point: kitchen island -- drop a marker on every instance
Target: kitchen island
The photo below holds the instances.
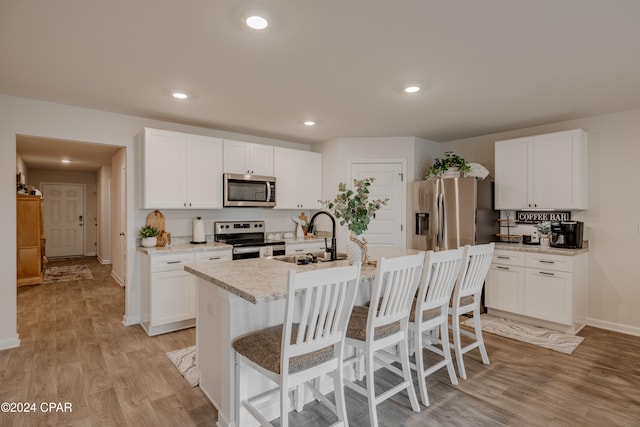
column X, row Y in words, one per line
column 238, row 297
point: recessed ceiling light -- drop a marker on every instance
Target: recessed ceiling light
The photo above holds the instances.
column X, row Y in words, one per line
column 65, row 161
column 257, row 22
column 412, row 89
column 179, row 95
column 309, row 123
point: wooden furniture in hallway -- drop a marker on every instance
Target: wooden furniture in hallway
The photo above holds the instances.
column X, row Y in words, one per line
column 30, row 240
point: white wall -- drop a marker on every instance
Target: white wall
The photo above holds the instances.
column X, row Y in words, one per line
column 45, row 119
column 612, row 220
column 104, row 214
column 337, row 155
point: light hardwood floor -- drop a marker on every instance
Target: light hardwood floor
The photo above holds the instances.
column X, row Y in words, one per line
column 74, row 348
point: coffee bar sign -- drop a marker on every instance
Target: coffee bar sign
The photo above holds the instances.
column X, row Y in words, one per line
column 529, row 217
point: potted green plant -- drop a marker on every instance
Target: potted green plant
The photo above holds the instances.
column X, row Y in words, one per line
column 451, row 164
column 353, row 208
column 149, row 236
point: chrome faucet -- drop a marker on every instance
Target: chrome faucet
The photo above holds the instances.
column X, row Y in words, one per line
column 334, row 251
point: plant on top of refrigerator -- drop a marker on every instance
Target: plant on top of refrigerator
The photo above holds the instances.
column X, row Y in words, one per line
column 450, row 160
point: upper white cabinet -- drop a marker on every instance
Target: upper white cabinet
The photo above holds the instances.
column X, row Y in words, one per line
column 244, row 157
column 542, row 172
column 180, row 171
column 298, row 178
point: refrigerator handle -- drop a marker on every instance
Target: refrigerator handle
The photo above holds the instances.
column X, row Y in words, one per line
column 440, row 216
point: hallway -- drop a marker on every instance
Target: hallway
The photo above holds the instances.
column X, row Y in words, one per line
column 74, row 348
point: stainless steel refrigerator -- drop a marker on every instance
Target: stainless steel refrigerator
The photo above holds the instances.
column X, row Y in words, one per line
column 453, row 212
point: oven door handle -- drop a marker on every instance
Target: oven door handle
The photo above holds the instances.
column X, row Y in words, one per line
column 250, row 250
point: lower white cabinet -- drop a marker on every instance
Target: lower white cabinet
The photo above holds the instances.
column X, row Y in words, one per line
column 506, row 289
column 168, row 293
column 547, row 289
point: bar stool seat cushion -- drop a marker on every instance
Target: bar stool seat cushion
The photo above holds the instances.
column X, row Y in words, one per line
column 357, row 328
column 429, row 314
column 264, row 348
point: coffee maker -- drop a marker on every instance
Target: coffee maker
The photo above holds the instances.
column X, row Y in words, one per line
column 567, row 234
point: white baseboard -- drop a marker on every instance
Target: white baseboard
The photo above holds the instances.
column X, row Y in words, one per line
column 10, row 343
column 615, row 327
column 117, row 279
column 103, row 261
column 130, row 320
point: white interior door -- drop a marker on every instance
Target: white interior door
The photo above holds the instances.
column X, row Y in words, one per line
column 64, row 219
column 387, row 228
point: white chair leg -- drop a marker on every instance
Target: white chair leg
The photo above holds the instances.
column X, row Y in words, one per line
column 422, row 381
column 371, row 389
column 338, row 392
column 284, row 405
column 478, row 330
column 360, row 365
column 446, row 351
column 237, row 389
column 298, row 397
column 457, row 345
column 406, row 369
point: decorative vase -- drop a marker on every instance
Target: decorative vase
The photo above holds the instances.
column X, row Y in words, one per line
column 452, row 172
column 149, row 242
column 356, row 249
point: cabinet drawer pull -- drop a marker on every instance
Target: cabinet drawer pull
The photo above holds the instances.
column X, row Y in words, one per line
column 543, row 261
column 546, row 273
column 174, row 262
column 502, row 268
column 215, row 257
column 502, row 257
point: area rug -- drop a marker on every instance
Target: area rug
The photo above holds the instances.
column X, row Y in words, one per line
column 67, row 273
column 185, row 361
column 547, row 338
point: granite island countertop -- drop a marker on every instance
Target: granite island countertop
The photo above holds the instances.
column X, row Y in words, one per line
column 261, row 280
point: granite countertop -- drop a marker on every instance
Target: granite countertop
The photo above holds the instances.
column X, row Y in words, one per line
column 185, row 248
column 520, row 247
column 261, row 280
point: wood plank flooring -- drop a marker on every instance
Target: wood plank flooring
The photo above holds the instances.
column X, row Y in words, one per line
column 74, row 348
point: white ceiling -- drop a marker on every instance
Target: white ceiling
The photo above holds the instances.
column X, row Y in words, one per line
column 485, row 66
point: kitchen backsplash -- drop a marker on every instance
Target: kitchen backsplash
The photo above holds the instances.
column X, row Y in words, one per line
column 180, row 223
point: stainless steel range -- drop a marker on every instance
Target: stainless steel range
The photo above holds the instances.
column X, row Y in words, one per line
column 247, row 238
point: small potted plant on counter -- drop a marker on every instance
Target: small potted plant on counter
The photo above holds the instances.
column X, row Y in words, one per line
column 450, row 166
column 149, row 236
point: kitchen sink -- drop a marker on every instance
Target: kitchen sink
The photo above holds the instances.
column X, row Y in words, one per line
column 307, row 258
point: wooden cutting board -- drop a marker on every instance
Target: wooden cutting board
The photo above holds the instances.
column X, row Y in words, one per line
column 156, row 219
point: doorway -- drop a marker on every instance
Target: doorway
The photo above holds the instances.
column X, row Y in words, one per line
column 64, row 219
column 387, row 228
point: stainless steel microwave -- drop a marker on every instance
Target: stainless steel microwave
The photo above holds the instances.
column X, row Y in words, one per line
column 249, row 190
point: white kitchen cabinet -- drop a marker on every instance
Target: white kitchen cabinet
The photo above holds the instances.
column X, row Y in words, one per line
column 505, row 282
column 179, row 171
column 212, row 257
column 540, row 288
column 243, row 157
column 167, row 299
column 312, row 246
column 542, row 172
column 298, row 179
column 167, row 291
